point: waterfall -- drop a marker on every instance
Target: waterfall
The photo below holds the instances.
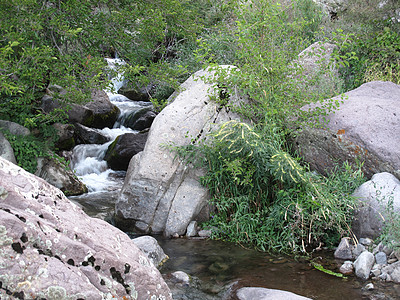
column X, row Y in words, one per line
column 88, row 159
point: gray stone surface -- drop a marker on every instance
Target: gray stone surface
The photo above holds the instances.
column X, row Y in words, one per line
column 381, row 258
column 318, row 71
column 6, row 151
column 86, row 135
column 362, row 129
column 14, row 128
column 257, row 293
column 149, row 245
column 51, row 170
column 373, row 198
column 392, row 272
column 51, row 249
column 364, row 264
column 99, row 112
column 161, row 193
column 124, row 147
column 347, row 268
column 358, row 250
column 65, row 133
column 181, row 276
column 191, row 229
column 344, row 250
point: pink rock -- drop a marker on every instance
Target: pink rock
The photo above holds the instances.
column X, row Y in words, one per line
column 49, row 248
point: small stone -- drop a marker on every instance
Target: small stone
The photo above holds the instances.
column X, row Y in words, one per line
column 204, row 233
column 175, row 235
column 191, row 229
column 347, row 268
column 360, row 248
column 369, row 286
column 376, row 272
column 387, row 250
column 181, row 277
column 366, row 241
column 378, row 248
column 363, row 265
column 392, row 260
column 343, row 251
column 381, row 258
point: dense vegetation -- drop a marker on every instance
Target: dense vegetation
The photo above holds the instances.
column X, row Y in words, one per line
column 264, row 196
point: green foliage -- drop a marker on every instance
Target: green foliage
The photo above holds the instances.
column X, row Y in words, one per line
column 264, row 198
column 326, row 271
column 27, row 150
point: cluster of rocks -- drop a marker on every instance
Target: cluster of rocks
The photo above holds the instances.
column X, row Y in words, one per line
column 368, row 260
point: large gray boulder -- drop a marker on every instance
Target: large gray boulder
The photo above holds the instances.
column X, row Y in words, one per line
column 6, row 151
column 161, row 193
column 50, row 249
column 372, row 210
column 58, row 175
column 365, row 128
column 257, row 293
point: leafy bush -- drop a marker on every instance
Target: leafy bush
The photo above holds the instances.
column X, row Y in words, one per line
column 264, row 198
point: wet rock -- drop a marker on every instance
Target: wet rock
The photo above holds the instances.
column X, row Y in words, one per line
column 140, row 119
column 169, row 191
column 124, row 147
column 253, row 293
column 363, row 265
column 181, row 277
column 6, row 151
column 381, row 258
column 58, row 175
column 136, row 93
column 344, row 250
column 14, row 128
column 191, row 229
column 361, row 129
column 86, row 135
column 152, row 249
column 369, row 286
column 52, row 250
column 65, row 134
column 99, row 112
column 347, row 268
column 373, row 197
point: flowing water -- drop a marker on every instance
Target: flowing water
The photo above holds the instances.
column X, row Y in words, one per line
column 218, row 268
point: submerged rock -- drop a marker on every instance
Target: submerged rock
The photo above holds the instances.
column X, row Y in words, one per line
column 257, row 293
column 50, row 249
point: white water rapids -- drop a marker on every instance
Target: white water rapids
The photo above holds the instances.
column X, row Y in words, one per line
column 88, row 159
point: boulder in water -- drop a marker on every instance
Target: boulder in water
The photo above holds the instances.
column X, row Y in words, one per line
column 124, row 147
column 50, row 249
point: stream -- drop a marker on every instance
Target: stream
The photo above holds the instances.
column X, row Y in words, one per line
column 218, row 268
